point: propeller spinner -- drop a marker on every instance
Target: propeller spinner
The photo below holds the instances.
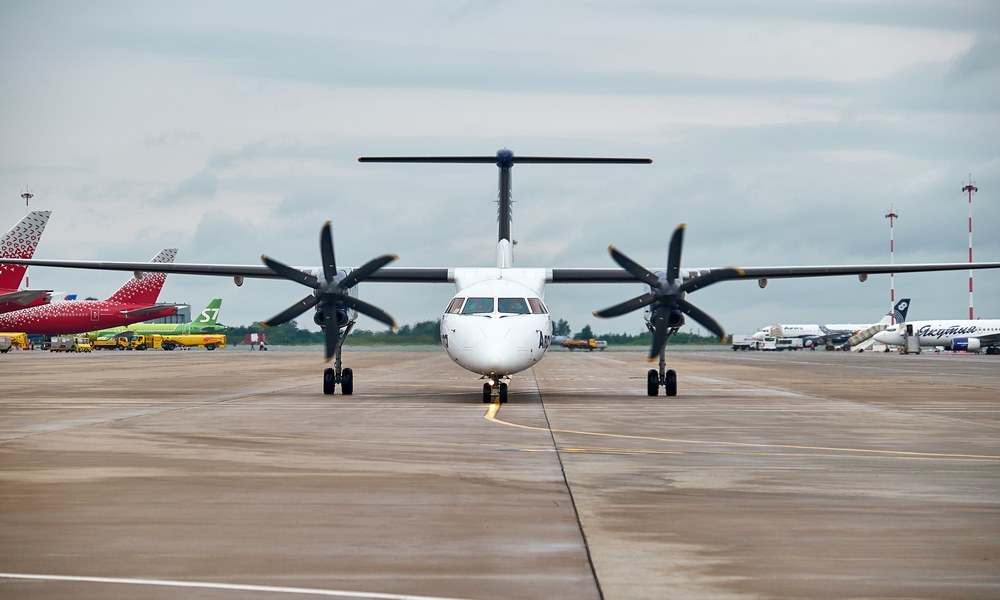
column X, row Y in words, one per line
column 330, row 291
column 667, row 293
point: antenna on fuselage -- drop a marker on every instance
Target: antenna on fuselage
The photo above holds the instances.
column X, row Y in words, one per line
column 504, row 160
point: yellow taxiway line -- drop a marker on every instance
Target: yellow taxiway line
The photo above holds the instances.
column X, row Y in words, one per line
column 491, row 415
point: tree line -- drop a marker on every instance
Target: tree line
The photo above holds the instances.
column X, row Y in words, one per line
column 428, row 332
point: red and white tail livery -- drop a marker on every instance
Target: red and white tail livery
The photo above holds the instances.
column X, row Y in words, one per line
column 20, row 242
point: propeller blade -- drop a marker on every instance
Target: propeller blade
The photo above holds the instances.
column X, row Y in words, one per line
column 364, row 271
column 332, row 331
column 627, row 306
column 366, row 309
column 709, row 278
column 698, row 315
column 638, row 271
column 326, row 252
column 674, row 254
column 292, row 311
column 291, row 273
column 660, row 327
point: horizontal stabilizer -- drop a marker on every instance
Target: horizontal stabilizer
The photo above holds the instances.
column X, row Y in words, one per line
column 23, row 297
column 149, row 310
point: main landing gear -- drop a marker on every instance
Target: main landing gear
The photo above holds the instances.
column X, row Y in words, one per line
column 665, row 377
column 335, row 375
column 499, row 390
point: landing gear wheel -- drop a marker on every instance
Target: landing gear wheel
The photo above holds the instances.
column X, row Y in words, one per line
column 487, row 392
column 347, row 382
column 652, row 382
column 671, row 382
column 503, row 393
column 329, row 382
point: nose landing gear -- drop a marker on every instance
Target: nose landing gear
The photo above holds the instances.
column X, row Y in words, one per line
column 498, row 390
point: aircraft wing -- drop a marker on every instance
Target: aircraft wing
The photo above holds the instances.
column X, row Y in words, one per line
column 558, row 275
column 23, row 297
column 388, row 274
column 612, row 275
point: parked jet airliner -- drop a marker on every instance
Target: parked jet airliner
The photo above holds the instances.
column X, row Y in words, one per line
column 973, row 336
column 20, row 242
column 206, row 322
column 497, row 324
column 135, row 301
column 830, row 333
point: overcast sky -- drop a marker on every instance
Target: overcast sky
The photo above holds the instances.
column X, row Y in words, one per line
column 782, row 132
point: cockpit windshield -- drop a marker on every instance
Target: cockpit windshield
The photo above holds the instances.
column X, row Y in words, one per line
column 512, row 306
column 475, row 306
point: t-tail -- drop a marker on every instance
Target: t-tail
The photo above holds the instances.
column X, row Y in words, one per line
column 505, row 160
column 145, row 288
column 20, row 242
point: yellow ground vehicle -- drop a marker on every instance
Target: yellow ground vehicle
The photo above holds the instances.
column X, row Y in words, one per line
column 70, row 343
column 589, row 345
column 146, row 341
column 110, row 342
column 209, row 341
column 17, row 338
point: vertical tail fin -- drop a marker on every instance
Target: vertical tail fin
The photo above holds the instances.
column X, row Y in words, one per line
column 145, row 289
column 20, row 242
column 899, row 311
column 209, row 316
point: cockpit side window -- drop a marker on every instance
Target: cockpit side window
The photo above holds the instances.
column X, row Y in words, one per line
column 537, row 308
column 475, row 306
column 456, row 306
column 512, row 306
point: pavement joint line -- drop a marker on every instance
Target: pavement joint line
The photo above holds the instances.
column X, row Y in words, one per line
column 222, row 586
column 569, row 490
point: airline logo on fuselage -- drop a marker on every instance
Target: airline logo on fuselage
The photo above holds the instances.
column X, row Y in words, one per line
column 929, row 331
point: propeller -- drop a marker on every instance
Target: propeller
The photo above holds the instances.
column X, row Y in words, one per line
column 329, row 292
column 668, row 293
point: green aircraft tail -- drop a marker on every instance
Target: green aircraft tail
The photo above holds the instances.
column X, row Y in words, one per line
column 209, row 316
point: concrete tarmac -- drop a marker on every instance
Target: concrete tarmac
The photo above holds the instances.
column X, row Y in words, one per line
column 228, row 474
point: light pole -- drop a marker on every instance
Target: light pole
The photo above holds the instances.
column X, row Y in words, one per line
column 892, row 216
column 970, row 188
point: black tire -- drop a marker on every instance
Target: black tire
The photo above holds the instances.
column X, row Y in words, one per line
column 671, row 382
column 653, row 382
column 487, row 392
column 347, row 382
column 209, row 346
column 329, row 382
column 503, row 393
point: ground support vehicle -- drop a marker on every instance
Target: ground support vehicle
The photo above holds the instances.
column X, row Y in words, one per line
column 589, row 345
column 208, row 341
column 69, row 343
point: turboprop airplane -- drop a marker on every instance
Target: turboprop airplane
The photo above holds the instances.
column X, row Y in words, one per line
column 20, row 242
column 497, row 324
column 135, row 301
column 206, row 322
column 830, row 333
column 971, row 336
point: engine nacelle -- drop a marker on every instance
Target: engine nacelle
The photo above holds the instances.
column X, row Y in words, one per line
column 967, row 344
column 343, row 317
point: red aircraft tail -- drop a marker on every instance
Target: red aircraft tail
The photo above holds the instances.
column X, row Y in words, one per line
column 145, row 289
column 20, row 242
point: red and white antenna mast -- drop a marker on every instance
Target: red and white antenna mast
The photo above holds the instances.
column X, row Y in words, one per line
column 27, row 195
column 970, row 188
column 892, row 216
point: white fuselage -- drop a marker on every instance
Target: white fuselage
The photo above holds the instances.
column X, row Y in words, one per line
column 956, row 335
column 497, row 324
